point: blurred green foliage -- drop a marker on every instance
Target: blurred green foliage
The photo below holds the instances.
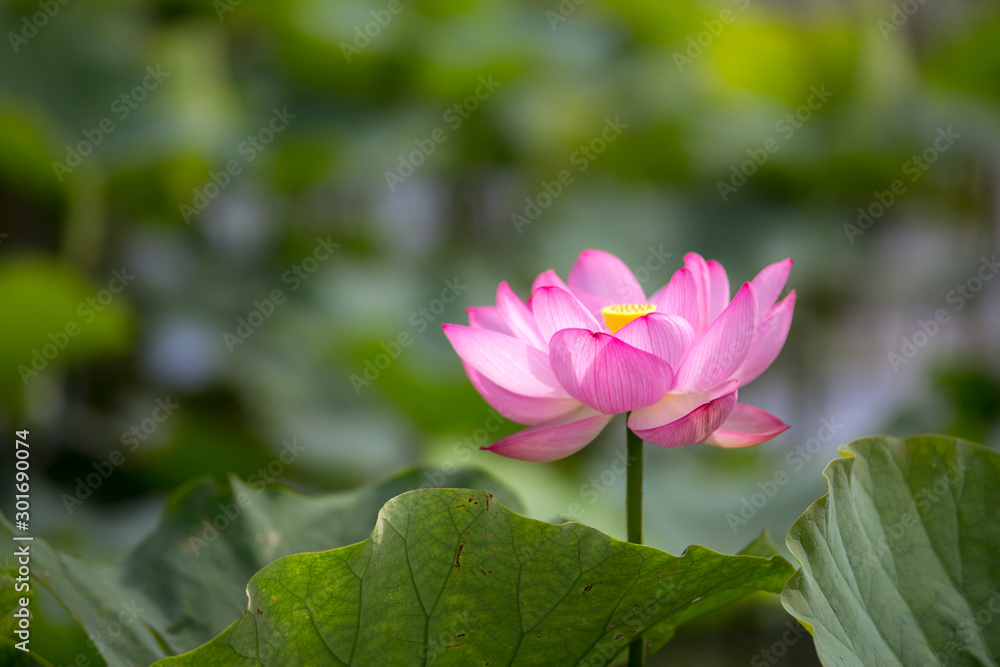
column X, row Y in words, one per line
column 899, row 72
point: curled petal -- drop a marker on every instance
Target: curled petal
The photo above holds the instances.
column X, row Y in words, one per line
column 518, row 408
column 509, row 362
column 772, row 330
column 600, row 279
column 556, row 309
column 746, row 425
column 696, row 264
column 555, row 439
column 769, row 283
column 666, row 336
column 679, row 297
column 518, row 317
column 488, row 317
column 718, row 289
column 548, row 279
column 675, row 405
column 723, row 347
column 684, row 419
column 606, row 373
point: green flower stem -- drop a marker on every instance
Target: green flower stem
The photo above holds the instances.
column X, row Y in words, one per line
column 633, row 512
column 633, row 492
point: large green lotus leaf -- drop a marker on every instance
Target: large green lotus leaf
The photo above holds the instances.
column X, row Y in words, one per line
column 187, row 581
column 763, row 547
column 451, row 577
column 901, row 559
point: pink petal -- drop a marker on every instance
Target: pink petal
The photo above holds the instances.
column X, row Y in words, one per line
column 694, row 263
column 666, row 336
column 746, row 425
column 684, row 419
column 518, row 408
column 769, row 283
column 679, row 297
column 718, row 289
column 600, row 279
column 605, row 373
column 772, row 330
column 553, row 440
column 675, row 405
column 509, row 362
column 556, row 309
column 548, row 279
column 488, row 317
column 518, row 317
column 723, row 347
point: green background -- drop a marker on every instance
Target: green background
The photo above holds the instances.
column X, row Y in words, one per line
column 653, row 191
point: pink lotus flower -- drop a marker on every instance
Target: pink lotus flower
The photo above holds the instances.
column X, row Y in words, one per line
column 577, row 354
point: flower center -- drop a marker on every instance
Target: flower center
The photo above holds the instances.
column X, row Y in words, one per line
column 620, row 314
